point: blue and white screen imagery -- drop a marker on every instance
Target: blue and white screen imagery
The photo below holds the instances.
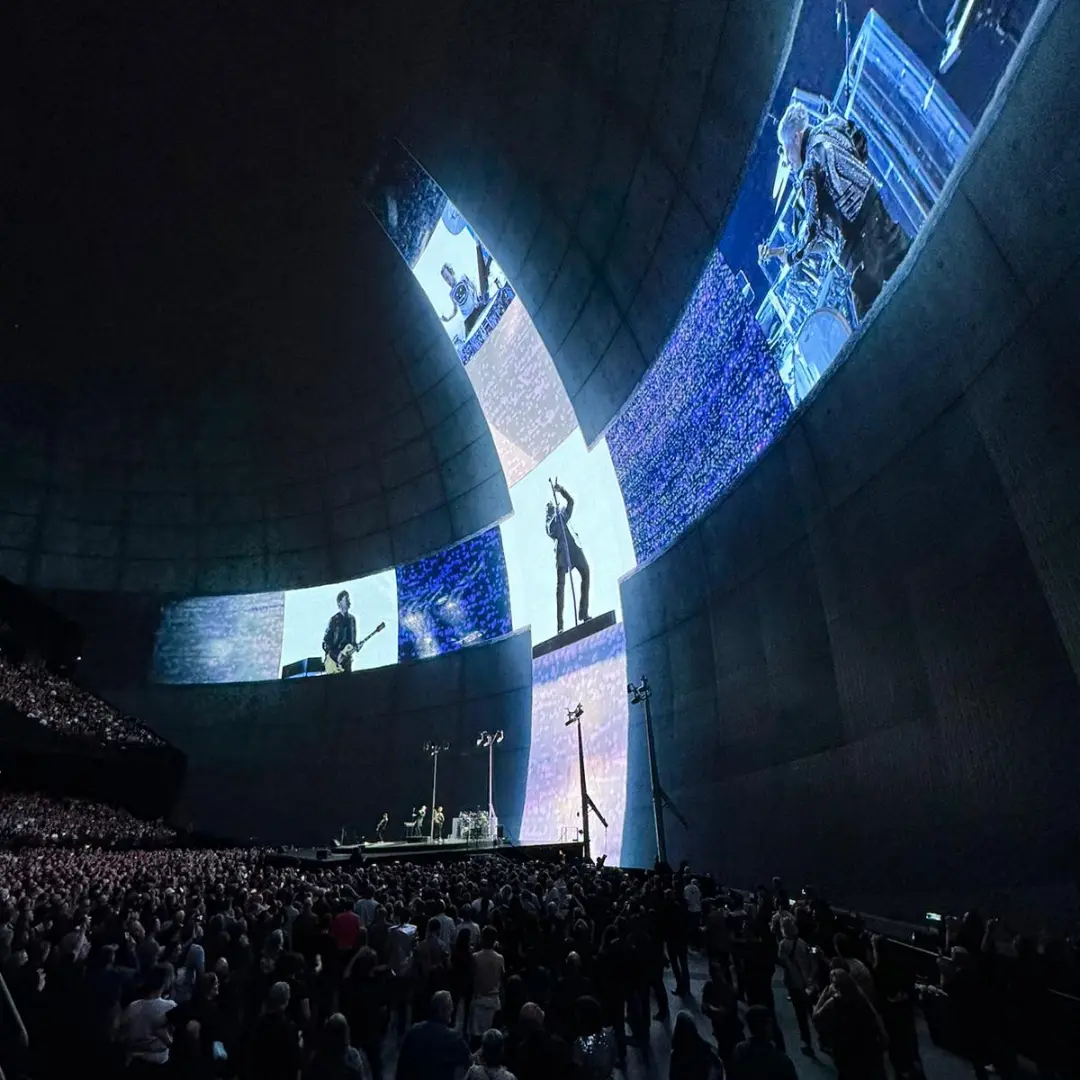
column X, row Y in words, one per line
column 875, row 87
column 881, row 99
column 707, row 407
column 597, row 521
column 454, row 598
column 592, row 673
column 251, row 637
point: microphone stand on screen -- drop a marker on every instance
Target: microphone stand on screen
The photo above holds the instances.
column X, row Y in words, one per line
column 565, row 547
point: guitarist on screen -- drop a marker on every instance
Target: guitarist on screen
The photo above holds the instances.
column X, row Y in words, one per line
column 339, row 641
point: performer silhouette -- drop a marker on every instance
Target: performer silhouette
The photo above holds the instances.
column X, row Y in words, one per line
column 568, row 555
column 380, row 829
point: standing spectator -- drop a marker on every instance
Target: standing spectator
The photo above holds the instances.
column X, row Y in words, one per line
column 721, row 1006
column 595, row 1053
column 365, row 1001
column 275, row 1052
column 533, row 1053
column 488, row 968
column 489, row 1064
column 845, row 949
column 896, row 1003
column 855, row 1030
column 798, row 967
column 692, row 899
column 757, row 1058
column 676, row 937
column 336, row 1058
column 144, row 1027
column 692, row 1058
column 461, row 972
column 432, row 1050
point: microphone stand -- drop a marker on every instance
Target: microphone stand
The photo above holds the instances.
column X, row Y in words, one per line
column 566, row 547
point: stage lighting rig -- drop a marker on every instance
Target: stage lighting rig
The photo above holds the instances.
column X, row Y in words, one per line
column 573, row 716
column 488, row 739
column 434, row 749
column 642, row 695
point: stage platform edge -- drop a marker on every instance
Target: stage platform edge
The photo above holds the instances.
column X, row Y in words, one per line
column 420, row 852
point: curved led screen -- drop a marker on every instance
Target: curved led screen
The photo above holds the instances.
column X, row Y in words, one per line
column 874, row 108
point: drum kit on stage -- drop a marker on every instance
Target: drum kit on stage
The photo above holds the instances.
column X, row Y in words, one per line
column 473, row 825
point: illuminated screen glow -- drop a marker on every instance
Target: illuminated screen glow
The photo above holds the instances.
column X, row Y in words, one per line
column 220, row 639
column 522, row 395
column 598, row 522
column 434, row 605
column 592, row 672
column 454, row 598
column 538, row 440
column 759, row 331
column 703, row 412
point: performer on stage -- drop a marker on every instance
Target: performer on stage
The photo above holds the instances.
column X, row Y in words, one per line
column 420, row 815
column 438, row 821
column 380, row 829
column 841, row 207
column 568, row 555
column 339, row 641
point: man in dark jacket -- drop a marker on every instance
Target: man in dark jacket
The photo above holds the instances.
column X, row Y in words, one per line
column 568, row 555
column 339, row 641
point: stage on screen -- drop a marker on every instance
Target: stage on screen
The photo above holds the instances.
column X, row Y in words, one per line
column 875, row 107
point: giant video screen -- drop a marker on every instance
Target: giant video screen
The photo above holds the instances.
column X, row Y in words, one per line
column 874, row 108
column 438, row 604
column 567, row 542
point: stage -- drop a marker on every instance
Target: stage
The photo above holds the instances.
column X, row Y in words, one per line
column 420, row 851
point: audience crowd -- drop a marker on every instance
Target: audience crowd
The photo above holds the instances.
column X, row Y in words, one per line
column 221, row 963
column 55, row 702
column 35, row 820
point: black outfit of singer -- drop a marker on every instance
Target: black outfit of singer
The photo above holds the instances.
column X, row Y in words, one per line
column 340, row 632
column 568, row 556
column 842, row 208
column 380, row 829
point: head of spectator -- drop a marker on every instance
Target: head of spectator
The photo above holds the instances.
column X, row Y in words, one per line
column 442, row 1008
column 492, row 1048
column 588, row 1016
column 277, row 1000
column 759, row 1022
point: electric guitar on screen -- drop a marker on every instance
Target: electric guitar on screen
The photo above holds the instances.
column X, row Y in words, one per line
column 334, row 666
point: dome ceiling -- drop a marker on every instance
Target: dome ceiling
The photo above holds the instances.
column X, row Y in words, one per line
column 219, row 375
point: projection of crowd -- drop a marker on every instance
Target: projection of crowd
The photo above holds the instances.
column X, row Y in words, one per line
column 874, row 110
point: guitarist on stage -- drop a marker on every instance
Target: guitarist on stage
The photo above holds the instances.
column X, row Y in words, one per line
column 339, row 641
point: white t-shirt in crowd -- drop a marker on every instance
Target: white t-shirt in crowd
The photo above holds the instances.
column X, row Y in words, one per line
column 141, row 1021
column 692, row 896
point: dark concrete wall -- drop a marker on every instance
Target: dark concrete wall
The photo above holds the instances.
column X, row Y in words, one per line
column 218, row 375
column 866, row 656
column 294, row 761
column 596, row 147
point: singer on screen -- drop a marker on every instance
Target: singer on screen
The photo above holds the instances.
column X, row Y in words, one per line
column 568, row 554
